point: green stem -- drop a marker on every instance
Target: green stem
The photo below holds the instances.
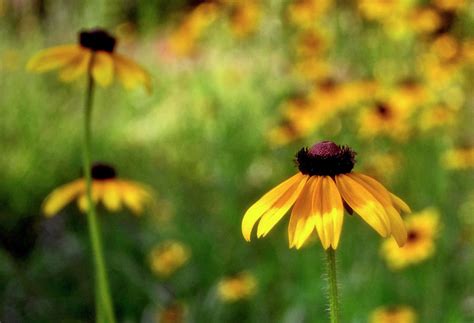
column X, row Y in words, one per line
column 103, row 300
column 332, row 282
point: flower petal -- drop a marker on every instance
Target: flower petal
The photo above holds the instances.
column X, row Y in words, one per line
column 111, row 196
column 103, row 68
column 301, row 221
column 133, row 196
column 258, row 209
column 131, row 74
column 96, row 193
column 399, row 204
column 332, row 211
column 76, row 67
column 61, row 196
column 317, row 213
column 364, row 204
column 53, row 58
column 280, row 207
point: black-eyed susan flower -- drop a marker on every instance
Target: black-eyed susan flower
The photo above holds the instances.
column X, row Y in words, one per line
column 459, row 158
column 244, row 17
column 95, row 52
column 106, row 188
column 237, row 287
column 393, row 314
column 167, row 257
column 323, row 187
column 422, row 229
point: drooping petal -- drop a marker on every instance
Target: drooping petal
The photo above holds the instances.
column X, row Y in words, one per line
column 279, row 209
column 258, row 209
column 53, row 58
column 76, row 67
column 400, row 204
column 103, row 68
column 301, row 222
column 364, row 204
column 131, row 74
column 61, row 196
column 383, row 196
column 332, row 211
column 111, row 195
column 133, row 197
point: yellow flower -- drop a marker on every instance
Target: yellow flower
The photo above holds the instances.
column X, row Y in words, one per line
column 460, row 158
column 304, row 13
column 422, row 229
column 381, row 9
column 237, row 287
column 320, row 191
column 424, row 20
column 95, row 52
column 393, row 314
column 167, row 257
column 244, row 17
column 113, row 193
column 450, row 5
column 437, row 116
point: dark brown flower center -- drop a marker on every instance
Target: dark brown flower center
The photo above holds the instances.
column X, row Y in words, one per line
column 325, row 159
column 102, row 171
column 383, row 110
column 412, row 236
column 97, row 39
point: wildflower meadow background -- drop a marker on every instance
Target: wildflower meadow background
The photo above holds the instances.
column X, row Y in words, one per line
column 238, row 87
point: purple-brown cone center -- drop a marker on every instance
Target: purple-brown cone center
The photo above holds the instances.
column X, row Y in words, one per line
column 101, row 171
column 97, row 39
column 325, row 159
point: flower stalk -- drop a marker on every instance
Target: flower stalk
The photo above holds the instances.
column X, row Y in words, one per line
column 332, row 285
column 104, row 306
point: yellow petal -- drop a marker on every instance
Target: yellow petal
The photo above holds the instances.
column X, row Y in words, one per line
column 131, row 74
column 400, row 204
column 383, row 196
column 364, row 204
column 258, row 209
column 61, row 196
column 111, row 196
column 332, row 211
column 96, row 193
column 53, row 58
column 133, row 197
column 301, row 224
column 103, row 68
column 76, row 67
column 281, row 206
column 317, row 211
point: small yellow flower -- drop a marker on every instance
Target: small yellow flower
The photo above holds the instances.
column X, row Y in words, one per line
column 460, row 158
column 237, row 287
column 305, row 13
column 422, row 230
column 113, row 193
column 450, row 5
column 95, row 52
column 323, row 187
column 393, row 314
column 244, row 17
column 167, row 257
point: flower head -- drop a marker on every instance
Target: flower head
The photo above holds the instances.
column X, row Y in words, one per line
column 95, row 51
column 237, row 287
column 323, row 187
column 106, row 187
column 422, row 229
column 167, row 257
column 393, row 314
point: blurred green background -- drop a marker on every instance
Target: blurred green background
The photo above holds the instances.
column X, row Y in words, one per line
column 238, row 88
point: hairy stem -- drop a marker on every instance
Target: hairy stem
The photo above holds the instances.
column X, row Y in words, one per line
column 332, row 286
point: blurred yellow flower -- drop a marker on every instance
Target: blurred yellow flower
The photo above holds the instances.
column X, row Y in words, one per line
column 436, row 117
column 167, row 257
column 94, row 54
column 237, row 287
column 382, row 9
column 459, row 158
column 311, row 43
column 450, row 5
column 383, row 165
column 305, row 13
column 422, row 228
column 424, row 20
column 113, row 193
column 244, row 17
column 393, row 314
column 320, row 191
column 173, row 313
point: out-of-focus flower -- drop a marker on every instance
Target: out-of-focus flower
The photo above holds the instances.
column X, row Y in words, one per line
column 305, row 13
column 311, row 68
column 383, row 165
column 459, row 158
column 237, row 287
column 320, row 190
column 410, row 94
column 424, row 20
column 182, row 42
column 167, row 257
column 385, row 118
column 437, row 117
column 422, row 228
column 311, row 43
column 382, row 9
column 450, row 5
column 95, row 53
column 106, row 187
column 244, row 17
column 173, row 313
column 393, row 314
